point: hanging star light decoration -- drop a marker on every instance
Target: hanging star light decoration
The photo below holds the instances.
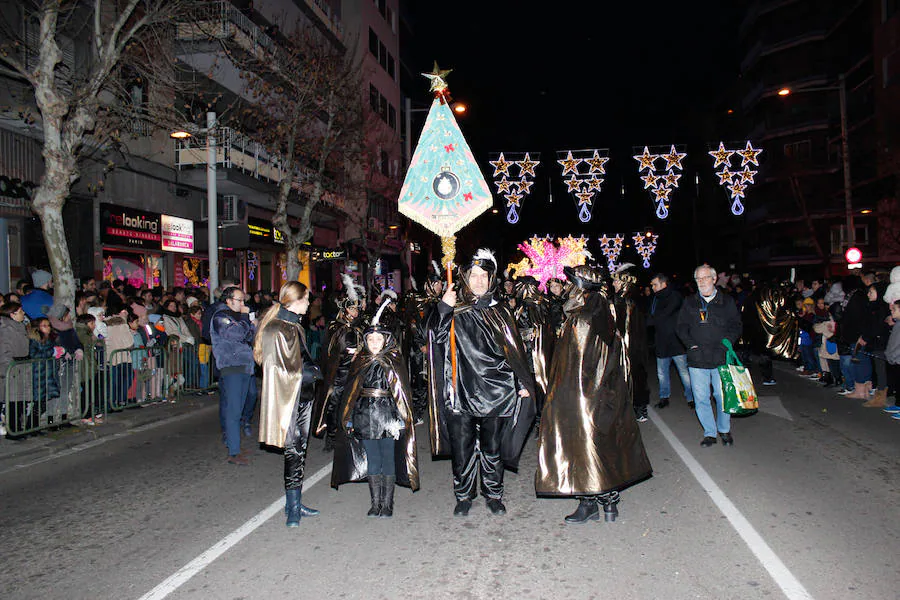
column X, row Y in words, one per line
column 645, row 245
column 584, row 184
column 611, row 247
column 514, row 191
column 732, row 178
column 660, row 181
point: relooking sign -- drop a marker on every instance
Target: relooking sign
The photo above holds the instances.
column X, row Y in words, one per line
column 129, row 227
column 177, row 234
column 142, row 229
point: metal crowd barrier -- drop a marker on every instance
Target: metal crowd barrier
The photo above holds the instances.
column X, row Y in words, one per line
column 49, row 393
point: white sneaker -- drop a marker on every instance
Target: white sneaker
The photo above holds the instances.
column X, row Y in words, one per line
column 2, row 429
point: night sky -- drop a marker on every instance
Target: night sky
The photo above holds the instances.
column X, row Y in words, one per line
column 556, row 77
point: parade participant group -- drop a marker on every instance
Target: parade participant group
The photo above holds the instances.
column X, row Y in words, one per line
column 482, row 365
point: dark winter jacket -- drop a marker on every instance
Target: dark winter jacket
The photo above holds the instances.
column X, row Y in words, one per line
column 876, row 330
column 703, row 340
column 853, row 321
column 232, row 340
column 45, row 372
column 663, row 316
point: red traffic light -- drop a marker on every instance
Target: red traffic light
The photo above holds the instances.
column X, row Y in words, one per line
column 853, row 255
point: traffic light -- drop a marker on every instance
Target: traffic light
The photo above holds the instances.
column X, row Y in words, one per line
column 853, row 256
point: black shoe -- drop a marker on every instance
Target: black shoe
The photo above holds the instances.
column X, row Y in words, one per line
column 691, row 405
column 708, row 441
column 727, row 440
column 610, row 502
column 496, row 507
column 663, row 402
column 462, row 508
column 587, row 511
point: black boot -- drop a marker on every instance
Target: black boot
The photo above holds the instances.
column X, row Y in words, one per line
column 609, row 501
column 376, row 490
column 827, row 379
column 587, row 511
column 292, row 507
column 387, row 496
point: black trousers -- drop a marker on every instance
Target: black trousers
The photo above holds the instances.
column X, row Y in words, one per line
column 295, row 443
column 474, row 448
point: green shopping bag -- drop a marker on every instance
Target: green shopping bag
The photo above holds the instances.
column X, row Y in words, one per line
column 737, row 387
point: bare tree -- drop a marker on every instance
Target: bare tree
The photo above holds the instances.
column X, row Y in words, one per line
column 307, row 106
column 82, row 107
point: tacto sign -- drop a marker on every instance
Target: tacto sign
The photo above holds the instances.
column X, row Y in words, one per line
column 853, row 256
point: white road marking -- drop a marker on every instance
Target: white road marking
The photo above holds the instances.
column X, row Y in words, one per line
column 789, row 584
column 219, row 548
column 109, row 438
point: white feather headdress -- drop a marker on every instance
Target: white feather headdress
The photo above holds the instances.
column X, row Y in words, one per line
column 389, row 293
column 485, row 254
column 350, row 287
column 377, row 318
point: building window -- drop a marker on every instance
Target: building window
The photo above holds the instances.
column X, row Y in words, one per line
column 373, row 98
column 382, row 7
column 391, row 67
column 800, row 151
column 392, row 117
column 383, row 109
column 890, row 67
column 385, row 164
column 373, row 43
column 838, row 245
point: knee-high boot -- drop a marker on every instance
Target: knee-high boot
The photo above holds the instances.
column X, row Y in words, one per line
column 376, row 491
column 292, row 507
column 387, row 496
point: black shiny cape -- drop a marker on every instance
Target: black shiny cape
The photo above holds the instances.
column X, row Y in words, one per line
column 589, row 442
column 349, row 455
column 533, row 313
column 342, row 338
column 442, row 398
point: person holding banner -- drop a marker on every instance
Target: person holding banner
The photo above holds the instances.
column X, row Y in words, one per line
column 706, row 318
column 482, row 391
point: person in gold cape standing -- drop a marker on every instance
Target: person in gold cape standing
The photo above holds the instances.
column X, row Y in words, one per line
column 288, row 388
column 589, row 444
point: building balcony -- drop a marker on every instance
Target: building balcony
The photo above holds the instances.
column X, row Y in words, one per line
column 217, row 21
column 248, row 167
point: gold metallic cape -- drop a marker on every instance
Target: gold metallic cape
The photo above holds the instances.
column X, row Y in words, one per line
column 589, row 442
column 282, row 371
column 440, row 381
column 535, row 310
column 339, row 334
column 778, row 321
column 349, row 455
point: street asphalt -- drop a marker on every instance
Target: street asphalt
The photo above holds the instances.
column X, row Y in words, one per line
column 802, row 506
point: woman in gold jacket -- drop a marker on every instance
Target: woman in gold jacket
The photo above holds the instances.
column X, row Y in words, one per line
column 288, row 389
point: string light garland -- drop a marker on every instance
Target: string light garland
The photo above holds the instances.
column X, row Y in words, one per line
column 584, row 183
column 514, row 186
column 660, row 181
column 645, row 245
column 730, row 177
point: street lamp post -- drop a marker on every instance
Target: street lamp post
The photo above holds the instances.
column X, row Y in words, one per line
column 212, row 209
column 841, row 89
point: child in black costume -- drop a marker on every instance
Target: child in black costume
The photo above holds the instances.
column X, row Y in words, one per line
column 377, row 441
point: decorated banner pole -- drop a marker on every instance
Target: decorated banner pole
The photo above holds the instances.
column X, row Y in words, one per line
column 444, row 189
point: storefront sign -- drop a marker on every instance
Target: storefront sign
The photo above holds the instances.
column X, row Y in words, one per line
column 177, row 234
column 323, row 254
column 260, row 231
column 129, row 227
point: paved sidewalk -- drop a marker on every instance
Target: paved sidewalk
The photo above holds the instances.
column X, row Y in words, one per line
column 114, row 423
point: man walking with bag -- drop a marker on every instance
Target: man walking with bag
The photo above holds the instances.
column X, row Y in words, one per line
column 707, row 318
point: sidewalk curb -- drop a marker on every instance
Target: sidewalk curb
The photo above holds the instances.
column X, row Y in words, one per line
column 116, row 424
